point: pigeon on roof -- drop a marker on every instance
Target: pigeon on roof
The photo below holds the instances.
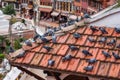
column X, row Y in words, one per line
column 103, row 30
column 22, row 54
column 54, row 37
column 73, row 47
column 91, row 39
column 44, row 39
column 117, row 30
column 116, row 56
column 28, row 43
column 88, row 68
column 92, row 60
column 102, row 40
column 86, row 52
column 66, row 58
column 47, row 48
column 51, row 62
column 106, row 54
column 76, row 35
column 93, row 29
column 112, row 42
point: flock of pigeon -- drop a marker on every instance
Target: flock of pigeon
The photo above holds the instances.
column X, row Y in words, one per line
column 50, row 32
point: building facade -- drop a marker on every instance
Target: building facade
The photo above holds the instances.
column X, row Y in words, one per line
column 91, row 6
column 46, row 7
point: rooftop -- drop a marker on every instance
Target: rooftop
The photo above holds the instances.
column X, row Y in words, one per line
column 90, row 51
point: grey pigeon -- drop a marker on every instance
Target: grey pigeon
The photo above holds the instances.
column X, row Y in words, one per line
column 103, row 40
column 112, row 42
column 54, row 38
column 36, row 37
column 117, row 30
column 106, row 54
column 66, row 58
column 116, row 56
column 91, row 39
column 20, row 55
column 76, row 35
column 44, row 39
column 47, row 48
column 103, row 30
column 91, row 61
column 73, row 47
column 93, row 29
column 88, row 68
column 51, row 62
column 28, row 43
column 85, row 52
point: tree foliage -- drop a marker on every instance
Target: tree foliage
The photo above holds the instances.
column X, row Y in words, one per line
column 9, row 10
column 118, row 1
column 17, row 44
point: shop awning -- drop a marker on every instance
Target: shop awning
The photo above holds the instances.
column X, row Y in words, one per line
column 45, row 10
column 55, row 13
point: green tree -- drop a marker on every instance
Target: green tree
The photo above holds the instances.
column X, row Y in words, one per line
column 9, row 10
column 17, row 44
column 118, row 1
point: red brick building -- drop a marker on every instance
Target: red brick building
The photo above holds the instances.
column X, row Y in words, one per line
column 91, row 6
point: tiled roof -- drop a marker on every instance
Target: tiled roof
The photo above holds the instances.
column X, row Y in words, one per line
column 76, row 61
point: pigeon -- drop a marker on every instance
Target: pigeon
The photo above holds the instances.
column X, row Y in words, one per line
column 47, row 48
column 44, row 39
column 54, row 38
column 66, row 58
column 36, row 37
column 88, row 68
column 112, row 42
column 103, row 40
column 51, row 62
column 73, row 47
column 28, row 43
column 11, row 50
column 93, row 29
column 116, row 56
column 117, row 30
column 106, row 54
column 76, row 35
column 118, row 46
column 91, row 39
column 85, row 52
column 103, row 30
column 91, row 61
column 20, row 55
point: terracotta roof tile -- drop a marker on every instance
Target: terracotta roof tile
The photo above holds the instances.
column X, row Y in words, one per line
column 88, row 31
column 100, row 56
column 81, row 66
column 114, row 70
column 63, row 65
column 29, row 56
column 81, row 40
column 44, row 61
column 73, row 64
column 108, row 67
column 36, row 59
column 71, row 40
column 56, row 59
column 63, row 50
column 63, row 39
column 81, row 30
column 103, row 69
